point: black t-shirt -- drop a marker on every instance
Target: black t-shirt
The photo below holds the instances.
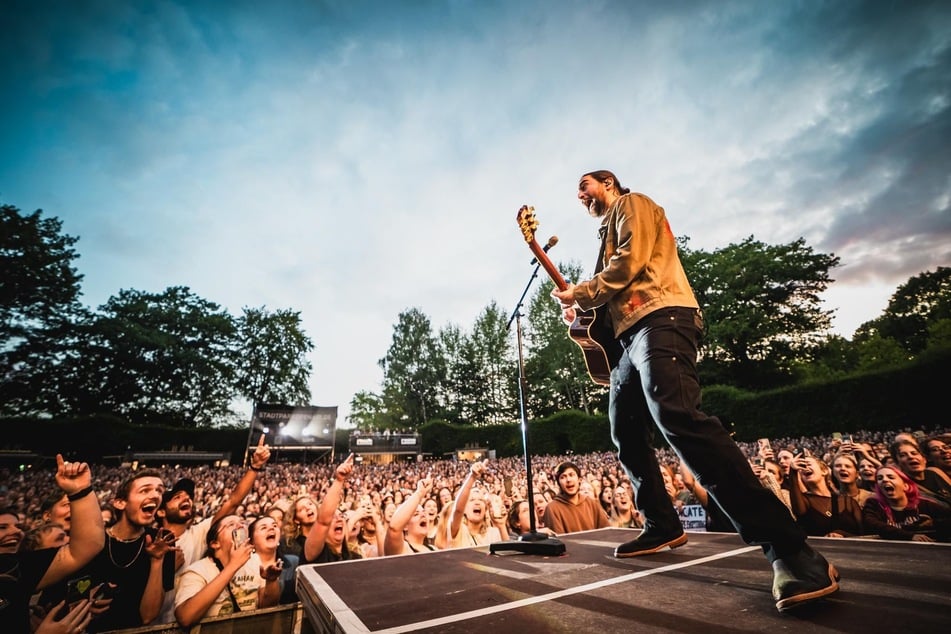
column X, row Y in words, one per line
column 19, row 575
column 125, row 565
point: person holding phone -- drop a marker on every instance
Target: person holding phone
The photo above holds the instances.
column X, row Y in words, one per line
column 229, row 579
column 176, row 516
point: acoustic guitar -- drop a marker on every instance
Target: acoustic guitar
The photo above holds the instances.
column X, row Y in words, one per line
column 588, row 330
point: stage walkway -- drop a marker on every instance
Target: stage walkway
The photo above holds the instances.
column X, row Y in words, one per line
column 713, row 584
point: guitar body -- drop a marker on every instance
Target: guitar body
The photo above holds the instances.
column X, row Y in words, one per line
column 589, row 330
column 596, row 340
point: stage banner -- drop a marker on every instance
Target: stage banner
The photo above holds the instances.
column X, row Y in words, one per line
column 290, row 426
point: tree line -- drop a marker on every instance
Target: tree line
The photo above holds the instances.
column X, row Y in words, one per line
column 170, row 358
column 174, row 358
column 765, row 325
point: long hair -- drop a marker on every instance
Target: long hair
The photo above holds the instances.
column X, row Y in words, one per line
column 281, row 551
column 291, row 529
column 513, row 517
column 855, row 463
column 602, row 176
column 212, row 535
column 911, row 493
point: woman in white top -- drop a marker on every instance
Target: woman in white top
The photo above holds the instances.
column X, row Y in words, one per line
column 228, row 579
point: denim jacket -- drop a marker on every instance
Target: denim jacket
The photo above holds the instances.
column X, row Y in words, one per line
column 639, row 271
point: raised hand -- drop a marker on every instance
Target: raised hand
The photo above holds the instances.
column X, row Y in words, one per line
column 262, row 453
column 345, row 469
column 478, row 467
column 72, row 477
column 240, row 555
column 272, row 572
column 425, row 486
column 158, row 547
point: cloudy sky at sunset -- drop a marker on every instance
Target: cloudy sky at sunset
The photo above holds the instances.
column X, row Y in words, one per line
column 353, row 159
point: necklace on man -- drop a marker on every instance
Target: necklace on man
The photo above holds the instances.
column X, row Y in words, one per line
column 124, row 541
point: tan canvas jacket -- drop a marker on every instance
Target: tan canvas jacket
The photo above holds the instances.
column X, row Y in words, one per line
column 640, row 269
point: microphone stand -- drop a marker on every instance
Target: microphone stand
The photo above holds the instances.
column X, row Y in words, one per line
column 532, row 542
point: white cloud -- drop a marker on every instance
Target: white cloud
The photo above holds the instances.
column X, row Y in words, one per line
column 351, row 163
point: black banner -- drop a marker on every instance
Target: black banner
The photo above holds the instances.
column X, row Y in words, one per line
column 290, row 426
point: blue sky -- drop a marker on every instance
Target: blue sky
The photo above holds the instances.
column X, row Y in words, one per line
column 354, row 159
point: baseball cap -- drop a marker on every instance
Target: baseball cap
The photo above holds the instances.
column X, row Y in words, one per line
column 185, row 484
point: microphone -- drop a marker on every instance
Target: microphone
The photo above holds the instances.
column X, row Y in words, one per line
column 552, row 241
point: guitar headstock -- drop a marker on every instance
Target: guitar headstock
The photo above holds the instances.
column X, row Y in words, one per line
column 527, row 222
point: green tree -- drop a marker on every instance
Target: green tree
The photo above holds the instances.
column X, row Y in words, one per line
column 367, row 412
column 270, row 357
column 485, row 364
column 762, row 309
column 835, row 358
column 914, row 307
column 555, row 369
column 152, row 358
column 412, row 371
column 461, row 374
column 880, row 353
column 939, row 335
column 39, row 302
column 39, row 281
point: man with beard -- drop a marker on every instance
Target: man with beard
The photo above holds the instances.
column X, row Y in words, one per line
column 136, row 567
column 176, row 516
column 642, row 290
column 571, row 511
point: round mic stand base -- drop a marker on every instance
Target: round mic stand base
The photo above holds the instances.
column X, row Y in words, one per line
column 531, row 544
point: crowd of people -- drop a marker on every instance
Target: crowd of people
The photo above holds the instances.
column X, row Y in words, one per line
column 92, row 548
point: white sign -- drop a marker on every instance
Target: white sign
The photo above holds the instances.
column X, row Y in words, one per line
column 693, row 517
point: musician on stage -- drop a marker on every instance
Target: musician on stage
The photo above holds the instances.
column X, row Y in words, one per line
column 640, row 285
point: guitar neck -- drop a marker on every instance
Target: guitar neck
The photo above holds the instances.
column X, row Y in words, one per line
column 542, row 258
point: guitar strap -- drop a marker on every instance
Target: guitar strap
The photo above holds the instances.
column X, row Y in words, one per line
column 603, row 234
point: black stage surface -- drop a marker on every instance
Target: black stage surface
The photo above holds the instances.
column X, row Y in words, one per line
column 713, row 584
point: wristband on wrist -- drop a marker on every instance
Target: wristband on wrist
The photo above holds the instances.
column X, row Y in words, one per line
column 78, row 495
column 257, row 469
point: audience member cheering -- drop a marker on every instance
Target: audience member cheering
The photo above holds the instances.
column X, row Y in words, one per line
column 24, row 573
column 266, row 538
column 899, row 512
column 408, row 529
column 570, row 511
column 327, row 539
column 229, row 579
column 818, row 510
column 468, row 525
column 932, row 483
column 177, row 516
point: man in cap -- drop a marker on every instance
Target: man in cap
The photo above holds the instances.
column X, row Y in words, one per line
column 570, row 511
column 177, row 515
